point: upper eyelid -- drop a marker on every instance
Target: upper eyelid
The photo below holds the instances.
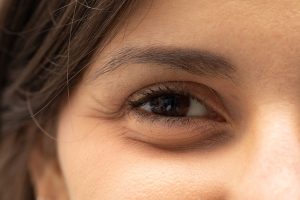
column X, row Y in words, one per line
column 167, row 84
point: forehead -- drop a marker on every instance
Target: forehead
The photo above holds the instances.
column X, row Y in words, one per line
column 197, row 20
column 233, row 28
column 261, row 36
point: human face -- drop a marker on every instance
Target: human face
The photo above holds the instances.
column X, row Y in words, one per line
column 222, row 119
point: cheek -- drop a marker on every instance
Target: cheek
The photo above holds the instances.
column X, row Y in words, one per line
column 145, row 180
column 98, row 163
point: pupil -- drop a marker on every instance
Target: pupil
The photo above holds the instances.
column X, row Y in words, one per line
column 170, row 105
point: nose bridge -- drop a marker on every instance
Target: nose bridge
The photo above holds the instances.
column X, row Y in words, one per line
column 273, row 170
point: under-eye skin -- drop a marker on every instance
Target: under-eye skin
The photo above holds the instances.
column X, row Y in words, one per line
column 175, row 114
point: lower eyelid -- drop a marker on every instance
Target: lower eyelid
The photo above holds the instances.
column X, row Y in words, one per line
column 174, row 132
column 192, row 122
column 182, row 143
column 175, row 126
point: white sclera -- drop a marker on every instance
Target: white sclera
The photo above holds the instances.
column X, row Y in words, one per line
column 196, row 109
column 146, row 107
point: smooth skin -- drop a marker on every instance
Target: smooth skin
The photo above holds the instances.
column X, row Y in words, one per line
column 102, row 154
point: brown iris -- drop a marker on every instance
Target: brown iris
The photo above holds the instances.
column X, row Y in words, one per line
column 170, row 105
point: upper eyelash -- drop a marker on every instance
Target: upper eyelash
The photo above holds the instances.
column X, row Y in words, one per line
column 161, row 90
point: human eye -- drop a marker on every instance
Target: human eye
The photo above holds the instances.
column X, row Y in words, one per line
column 176, row 114
column 172, row 101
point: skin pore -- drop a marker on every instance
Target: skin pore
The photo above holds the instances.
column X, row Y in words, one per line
column 244, row 145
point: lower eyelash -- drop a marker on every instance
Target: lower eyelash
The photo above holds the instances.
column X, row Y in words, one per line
column 168, row 121
column 188, row 123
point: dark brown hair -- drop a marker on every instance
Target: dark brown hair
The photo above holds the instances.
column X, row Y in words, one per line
column 45, row 45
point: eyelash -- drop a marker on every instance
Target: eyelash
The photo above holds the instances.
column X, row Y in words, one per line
column 161, row 90
column 173, row 88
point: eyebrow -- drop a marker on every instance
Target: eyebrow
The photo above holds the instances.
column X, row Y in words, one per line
column 194, row 61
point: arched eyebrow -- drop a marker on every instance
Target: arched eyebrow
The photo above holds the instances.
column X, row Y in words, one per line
column 194, row 61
